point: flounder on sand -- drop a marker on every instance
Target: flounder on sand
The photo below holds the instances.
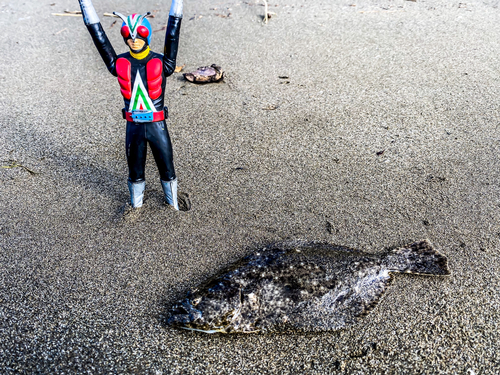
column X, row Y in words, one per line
column 205, row 74
column 300, row 286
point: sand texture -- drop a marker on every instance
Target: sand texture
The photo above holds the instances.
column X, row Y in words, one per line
column 384, row 131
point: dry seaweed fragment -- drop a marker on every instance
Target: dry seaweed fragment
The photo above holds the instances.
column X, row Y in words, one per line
column 60, row 31
column 164, row 27
column 66, row 15
column 178, row 69
column 15, row 164
column 266, row 13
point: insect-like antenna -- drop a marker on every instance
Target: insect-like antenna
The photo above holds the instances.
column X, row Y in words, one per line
column 143, row 16
column 121, row 16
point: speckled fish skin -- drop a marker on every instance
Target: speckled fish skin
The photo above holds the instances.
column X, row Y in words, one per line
column 300, row 286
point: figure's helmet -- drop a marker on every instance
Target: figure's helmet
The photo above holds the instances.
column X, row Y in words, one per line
column 136, row 26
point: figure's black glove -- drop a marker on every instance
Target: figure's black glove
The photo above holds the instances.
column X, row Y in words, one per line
column 89, row 14
column 101, row 41
column 176, row 8
column 172, row 37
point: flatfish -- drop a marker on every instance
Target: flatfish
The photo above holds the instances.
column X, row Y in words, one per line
column 300, row 286
column 205, row 74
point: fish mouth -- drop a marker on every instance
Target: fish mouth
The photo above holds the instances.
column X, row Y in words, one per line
column 182, row 319
column 178, row 320
column 210, row 331
column 183, row 314
column 179, row 310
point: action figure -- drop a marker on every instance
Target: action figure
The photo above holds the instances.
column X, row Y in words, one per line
column 141, row 74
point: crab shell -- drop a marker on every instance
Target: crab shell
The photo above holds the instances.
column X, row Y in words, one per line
column 205, row 74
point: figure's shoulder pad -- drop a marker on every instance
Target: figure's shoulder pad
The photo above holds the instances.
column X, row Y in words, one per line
column 124, row 72
column 123, row 68
column 154, row 69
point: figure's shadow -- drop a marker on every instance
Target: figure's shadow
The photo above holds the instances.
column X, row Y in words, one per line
column 102, row 175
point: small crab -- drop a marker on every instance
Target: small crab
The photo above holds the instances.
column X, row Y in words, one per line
column 205, row 74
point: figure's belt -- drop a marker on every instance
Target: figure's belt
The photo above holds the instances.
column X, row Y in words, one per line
column 144, row 116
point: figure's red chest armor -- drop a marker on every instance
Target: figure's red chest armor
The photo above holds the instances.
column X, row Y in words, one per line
column 154, row 69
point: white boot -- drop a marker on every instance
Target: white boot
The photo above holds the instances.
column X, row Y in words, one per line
column 170, row 190
column 136, row 193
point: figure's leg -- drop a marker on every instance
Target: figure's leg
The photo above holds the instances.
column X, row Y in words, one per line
column 136, row 148
column 161, row 146
column 170, row 191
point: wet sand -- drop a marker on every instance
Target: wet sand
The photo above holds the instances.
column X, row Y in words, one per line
column 385, row 131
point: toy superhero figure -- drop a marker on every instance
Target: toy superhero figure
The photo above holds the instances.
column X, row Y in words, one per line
column 141, row 74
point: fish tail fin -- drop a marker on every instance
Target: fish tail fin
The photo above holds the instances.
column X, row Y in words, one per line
column 419, row 258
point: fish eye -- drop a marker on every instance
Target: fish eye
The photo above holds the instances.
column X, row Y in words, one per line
column 196, row 301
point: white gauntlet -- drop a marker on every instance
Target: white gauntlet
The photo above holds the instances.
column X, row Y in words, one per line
column 89, row 14
column 176, row 8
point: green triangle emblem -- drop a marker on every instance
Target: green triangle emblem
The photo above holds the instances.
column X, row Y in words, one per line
column 140, row 99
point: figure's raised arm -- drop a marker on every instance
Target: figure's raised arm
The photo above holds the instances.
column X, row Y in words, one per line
column 172, row 37
column 101, row 41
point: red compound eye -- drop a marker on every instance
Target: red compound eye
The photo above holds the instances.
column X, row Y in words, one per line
column 125, row 31
column 143, row 31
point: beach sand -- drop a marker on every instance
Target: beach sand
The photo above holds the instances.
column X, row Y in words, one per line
column 385, row 131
